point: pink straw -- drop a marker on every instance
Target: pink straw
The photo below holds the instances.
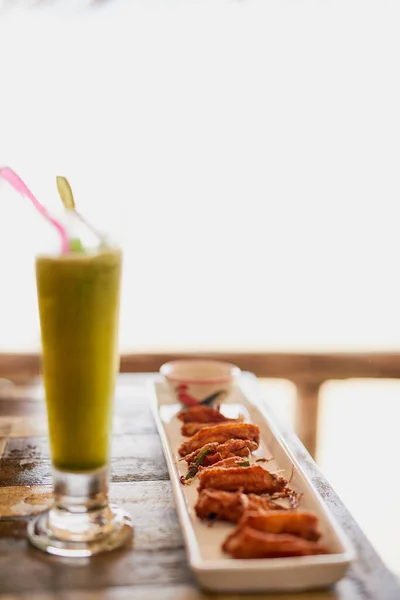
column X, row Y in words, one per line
column 17, row 183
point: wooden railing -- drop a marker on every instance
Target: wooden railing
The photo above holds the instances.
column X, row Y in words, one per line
column 307, row 371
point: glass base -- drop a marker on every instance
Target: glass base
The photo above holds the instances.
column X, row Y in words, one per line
column 119, row 532
column 81, row 522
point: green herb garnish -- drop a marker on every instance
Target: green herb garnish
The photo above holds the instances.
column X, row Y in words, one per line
column 197, row 463
column 75, row 245
column 246, row 463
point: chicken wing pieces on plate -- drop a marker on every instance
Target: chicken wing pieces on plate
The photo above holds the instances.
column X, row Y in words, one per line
column 218, row 452
column 230, row 506
column 204, row 414
column 299, row 523
column 252, row 480
column 250, row 543
column 220, row 433
column 228, row 463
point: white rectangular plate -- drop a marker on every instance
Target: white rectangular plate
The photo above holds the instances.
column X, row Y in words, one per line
column 214, row 569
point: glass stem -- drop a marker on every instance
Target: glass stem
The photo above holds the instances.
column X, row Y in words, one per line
column 80, row 512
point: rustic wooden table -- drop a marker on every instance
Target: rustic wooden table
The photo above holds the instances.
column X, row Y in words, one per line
column 155, row 566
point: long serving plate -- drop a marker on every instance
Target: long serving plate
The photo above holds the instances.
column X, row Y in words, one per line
column 215, row 570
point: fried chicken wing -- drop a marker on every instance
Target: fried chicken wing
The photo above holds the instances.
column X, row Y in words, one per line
column 250, row 543
column 221, row 433
column 204, row 414
column 213, row 458
column 227, row 463
column 254, row 480
column 221, row 451
column 300, row 523
column 189, row 429
column 230, row 506
column 256, row 503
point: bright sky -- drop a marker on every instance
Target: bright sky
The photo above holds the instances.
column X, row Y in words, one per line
column 246, row 154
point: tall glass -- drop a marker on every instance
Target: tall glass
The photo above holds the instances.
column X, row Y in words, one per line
column 78, row 297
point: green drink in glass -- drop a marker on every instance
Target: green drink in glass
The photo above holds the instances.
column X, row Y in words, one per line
column 78, row 298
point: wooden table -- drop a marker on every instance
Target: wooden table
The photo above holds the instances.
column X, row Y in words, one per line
column 155, row 566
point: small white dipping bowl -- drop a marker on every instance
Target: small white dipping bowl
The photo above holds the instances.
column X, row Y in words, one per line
column 197, row 381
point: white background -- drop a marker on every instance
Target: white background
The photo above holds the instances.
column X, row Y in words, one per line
column 246, row 154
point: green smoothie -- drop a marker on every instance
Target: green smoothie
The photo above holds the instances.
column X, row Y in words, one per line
column 78, row 295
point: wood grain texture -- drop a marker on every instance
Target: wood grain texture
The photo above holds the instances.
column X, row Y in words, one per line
column 123, row 567
column 155, row 565
column 21, row 500
column 135, row 457
column 179, row 592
